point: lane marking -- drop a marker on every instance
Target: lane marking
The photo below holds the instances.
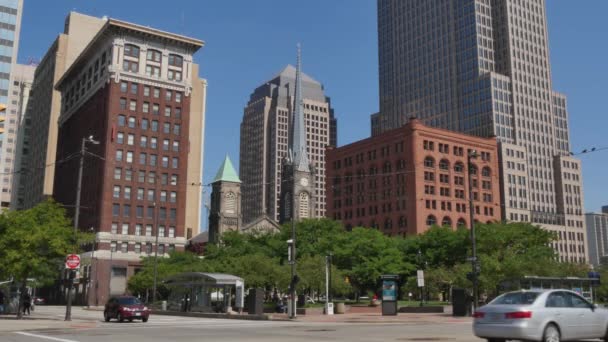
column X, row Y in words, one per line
column 44, row 337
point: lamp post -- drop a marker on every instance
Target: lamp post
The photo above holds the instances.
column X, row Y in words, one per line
column 72, row 275
column 472, row 154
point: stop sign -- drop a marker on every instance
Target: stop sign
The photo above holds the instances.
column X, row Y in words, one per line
column 72, row 261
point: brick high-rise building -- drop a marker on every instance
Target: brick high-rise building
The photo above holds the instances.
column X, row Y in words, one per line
column 407, row 179
column 137, row 92
column 482, row 67
column 266, row 131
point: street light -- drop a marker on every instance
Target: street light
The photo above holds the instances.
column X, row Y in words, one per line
column 72, row 276
column 472, row 154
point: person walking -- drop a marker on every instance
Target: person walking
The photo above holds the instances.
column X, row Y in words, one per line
column 27, row 303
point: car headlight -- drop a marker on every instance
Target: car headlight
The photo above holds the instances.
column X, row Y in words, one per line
column 146, row 308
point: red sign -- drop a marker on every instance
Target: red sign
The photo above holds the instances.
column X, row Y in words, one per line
column 72, row 261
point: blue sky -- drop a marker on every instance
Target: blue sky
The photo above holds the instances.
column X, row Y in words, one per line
column 249, row 41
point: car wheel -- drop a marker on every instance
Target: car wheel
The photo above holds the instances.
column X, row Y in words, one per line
column 130, row 320
column 551, row 334
column 145, row 319
column 106, row 316
column 120, row 318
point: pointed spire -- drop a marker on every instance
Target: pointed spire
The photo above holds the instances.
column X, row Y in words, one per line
column 226, row 173
column 298, row 148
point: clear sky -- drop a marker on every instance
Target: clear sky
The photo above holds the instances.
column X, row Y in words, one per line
column 247, row 42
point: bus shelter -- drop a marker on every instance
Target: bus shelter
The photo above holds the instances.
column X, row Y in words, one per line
column 583, row 286
column 205, row 292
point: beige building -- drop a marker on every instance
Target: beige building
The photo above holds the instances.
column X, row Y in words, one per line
column 23, row 76
column 265, row 135
column 43, row 112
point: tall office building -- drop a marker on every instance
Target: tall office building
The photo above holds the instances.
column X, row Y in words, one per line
column 597, row 235
column 266, row 131
column 38, row 173
column 482, row 67
column 10, row 27
column 23, row 76
column 136, row 91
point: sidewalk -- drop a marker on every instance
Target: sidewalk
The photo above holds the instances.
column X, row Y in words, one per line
column 11, row 323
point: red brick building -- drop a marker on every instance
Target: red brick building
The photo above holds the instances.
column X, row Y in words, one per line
column 407, row 179
column 135, row 90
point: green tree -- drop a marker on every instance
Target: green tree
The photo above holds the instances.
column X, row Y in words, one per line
column 35, row 242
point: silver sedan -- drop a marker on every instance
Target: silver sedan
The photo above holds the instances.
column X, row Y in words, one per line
column 549, row 316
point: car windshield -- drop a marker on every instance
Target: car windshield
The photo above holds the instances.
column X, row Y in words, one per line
column 516, row 298
column 128, row 301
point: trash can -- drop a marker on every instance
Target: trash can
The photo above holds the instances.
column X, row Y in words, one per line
column 461, row 303
column 340, row 308
column 163, row 305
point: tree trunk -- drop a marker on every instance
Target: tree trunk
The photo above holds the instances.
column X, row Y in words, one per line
column 22, row 290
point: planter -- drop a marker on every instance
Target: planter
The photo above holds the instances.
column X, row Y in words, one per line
column 421, row 309
column 340, row 308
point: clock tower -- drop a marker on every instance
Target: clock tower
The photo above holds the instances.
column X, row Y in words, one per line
column 297, row 172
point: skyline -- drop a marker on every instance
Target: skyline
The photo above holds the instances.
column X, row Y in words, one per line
column 342, row 54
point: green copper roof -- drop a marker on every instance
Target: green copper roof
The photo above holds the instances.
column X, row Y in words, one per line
column 226, row 173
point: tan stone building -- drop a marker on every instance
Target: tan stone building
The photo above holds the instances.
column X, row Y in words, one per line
column 265, row 134
column 225, row 211
column 43, row 111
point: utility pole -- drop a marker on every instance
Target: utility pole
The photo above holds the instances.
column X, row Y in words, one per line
column 474, row 268
column 72, row 273
column 155, row 254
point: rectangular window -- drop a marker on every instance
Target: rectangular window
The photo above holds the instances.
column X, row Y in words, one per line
column 174, row 163
column 168, row 111
column 153, row 160
column 140, row 194
column 118, row 155
column 123, row 87
column 128, row 174
column 129, row 157
column 145, row 107
column 166, row 145
column 137, row 248
column 176, row 129
column 152, row 70
column 131, row 122
column 173, row 179
column 113, row 246
column 166, row 128
column 127, row 192
column 130, row 139
column 139, row 211
column 156, row 93
column 143, row 141
column 161, row 249
column 115, row 209
column 141, row 176
column 151, row 195
column 172, row 214
column 165, row 161
column 125, row 229
column 117, row 173
column 178, row 97
column 134, row 88
column 164, row 178
column 152, row 177
column 153, row 143
column 171, row 232
column 150, row 212
column 148, row 248
column 114, row 228
column 163, row 213
column 123, row 103
column 148, row 230
column 138, row 229
column 173, row 197
column 176, row 146
column 163, row 196
column 120, row 138
column 154, row 126
column 161, row 231
column 133, row 105
column 168, row 95
column 146, row 91
column 144, row 124
column 178, row 113
column 122, row 120
column 156, row 109
column 142, row 158
column 126, row 210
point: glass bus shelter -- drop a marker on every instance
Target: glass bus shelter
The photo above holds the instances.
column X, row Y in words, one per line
column 583, row 286
column 205, row 292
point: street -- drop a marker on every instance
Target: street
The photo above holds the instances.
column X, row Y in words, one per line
column 88, row 326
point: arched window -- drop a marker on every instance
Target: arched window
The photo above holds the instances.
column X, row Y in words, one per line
column 462, row 223
column 176, row 61
column 429, row 162
column 486, row 172
column 444, row 164
column 230, row 202
column 431, row 220
column 132, row 50
column 304, row 206
column 154, row 55
column 459, row 167
column 446, row 222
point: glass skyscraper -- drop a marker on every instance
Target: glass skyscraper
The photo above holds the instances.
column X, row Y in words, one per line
column 10, row 25
column 482, row 67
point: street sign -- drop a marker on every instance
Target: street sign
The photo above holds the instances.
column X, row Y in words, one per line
column 72, row 261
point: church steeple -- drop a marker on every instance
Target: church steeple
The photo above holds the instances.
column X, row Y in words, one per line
column 298, row 141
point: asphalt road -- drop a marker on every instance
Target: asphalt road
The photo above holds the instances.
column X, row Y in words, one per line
column 88, row 326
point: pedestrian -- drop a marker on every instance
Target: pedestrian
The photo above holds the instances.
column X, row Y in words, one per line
column 1, row 302
column 27, row 302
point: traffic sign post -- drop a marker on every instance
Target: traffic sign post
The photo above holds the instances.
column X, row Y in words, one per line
column 72, row 263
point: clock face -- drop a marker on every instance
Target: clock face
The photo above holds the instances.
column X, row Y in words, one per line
column 304, row 181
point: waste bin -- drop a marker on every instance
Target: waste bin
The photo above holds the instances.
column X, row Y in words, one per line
column 255, row 302
column 340, row 308
column 301, row 301
column 163, row 305
column 461, row 303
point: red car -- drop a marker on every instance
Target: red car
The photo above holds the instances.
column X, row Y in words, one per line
column 125, row 307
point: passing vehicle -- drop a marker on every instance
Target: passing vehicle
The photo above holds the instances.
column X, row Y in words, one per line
column 543, row 315
column 38, row 301
column 125, row 308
